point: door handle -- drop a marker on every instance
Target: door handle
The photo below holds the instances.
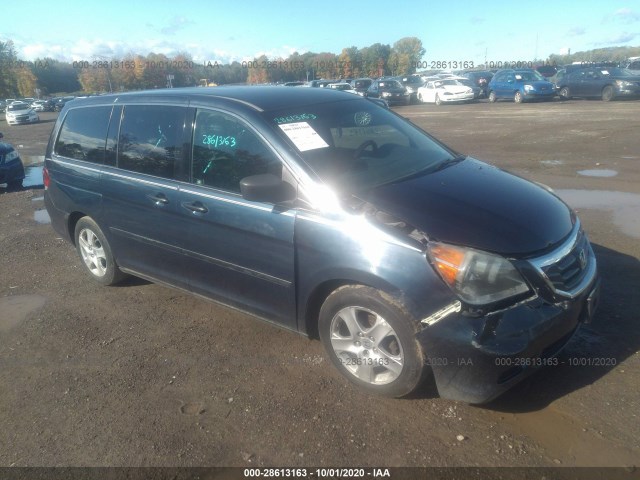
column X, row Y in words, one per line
column 195, row 207
column 159, row 199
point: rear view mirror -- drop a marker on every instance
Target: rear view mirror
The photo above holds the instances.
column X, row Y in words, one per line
column 266, row 188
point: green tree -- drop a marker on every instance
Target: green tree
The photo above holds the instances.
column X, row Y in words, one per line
column 8, row 63
column 405, row 54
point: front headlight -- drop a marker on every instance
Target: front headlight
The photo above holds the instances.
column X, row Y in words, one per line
column 478, row 278
column 529, row 88
column 624, row 83
column 385, row 94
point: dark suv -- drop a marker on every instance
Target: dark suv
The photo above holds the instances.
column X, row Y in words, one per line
column 328, row 215
column 390, row 90
column 606, row 83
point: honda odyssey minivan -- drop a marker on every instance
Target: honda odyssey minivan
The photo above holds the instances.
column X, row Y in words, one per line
column 328, row 215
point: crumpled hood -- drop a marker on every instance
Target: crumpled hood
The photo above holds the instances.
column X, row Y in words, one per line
column 475, row 204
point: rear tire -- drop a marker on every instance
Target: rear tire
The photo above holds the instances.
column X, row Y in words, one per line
column 438, row 101
column 95, row 252
column 564, row 93
column 372, row 341
column 492, row 97
column 518, row 97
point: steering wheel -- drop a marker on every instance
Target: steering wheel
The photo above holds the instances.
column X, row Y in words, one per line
column 363, row 146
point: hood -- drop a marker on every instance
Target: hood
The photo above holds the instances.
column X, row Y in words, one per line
column 454, row 88
column 477, row 205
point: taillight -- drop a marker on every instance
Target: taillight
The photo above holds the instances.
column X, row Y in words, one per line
column 45, row 177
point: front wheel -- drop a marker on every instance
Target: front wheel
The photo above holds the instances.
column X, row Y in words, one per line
column 438, row 101
column 564, row 93
column 518, row 97
column 372, row 341
column 95, row 252
column 607, row 93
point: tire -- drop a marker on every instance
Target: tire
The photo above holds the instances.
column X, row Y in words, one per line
column 564, row 93
column 420, row 98
column 438, row 101
column 607, row 93
column 95, row 253
column 14, row 185
column 492, row 97
column 517, row 97
column 350, row 319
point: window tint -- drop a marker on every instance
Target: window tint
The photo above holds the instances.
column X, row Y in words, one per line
column 150, row 140
column 83, row 134
column 225, row 151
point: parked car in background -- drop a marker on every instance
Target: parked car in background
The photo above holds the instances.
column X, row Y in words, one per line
column 342, row 86
column 390, row 90
column 361, row 85
column 603, row 82
column 11, row 168
column 3, row 105
column 19, row 112
column 547, row 71
column 477, row 91
column 520, row 85
column 412, row 83
column 480, row 78
column 633, row 65
column 61, row 102
column 446, row 90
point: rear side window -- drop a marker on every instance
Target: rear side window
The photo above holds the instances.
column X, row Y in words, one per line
column 151, row 140
column 83, row 134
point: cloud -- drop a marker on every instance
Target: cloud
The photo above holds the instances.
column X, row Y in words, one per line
column 622, row 15
column 175, row 25
column 623, row 37
column 576, row 31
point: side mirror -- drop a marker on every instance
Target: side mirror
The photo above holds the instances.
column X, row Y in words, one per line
column 266, row 188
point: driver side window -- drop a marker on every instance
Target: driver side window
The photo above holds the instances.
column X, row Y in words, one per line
column 225, row 150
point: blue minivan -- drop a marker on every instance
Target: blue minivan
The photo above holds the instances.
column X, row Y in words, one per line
column 328, row 215
column 520, row 85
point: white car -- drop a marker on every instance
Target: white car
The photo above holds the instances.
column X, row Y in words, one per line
column 344, row 86
column 446, row 90
column 19, row 112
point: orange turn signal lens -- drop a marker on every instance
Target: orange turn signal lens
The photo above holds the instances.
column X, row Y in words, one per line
column 448, row 261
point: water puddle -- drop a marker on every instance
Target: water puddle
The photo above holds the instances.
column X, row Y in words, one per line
column 41, row 216
column 33, row 176
column 16, row 308
column 552, row 162
column 625, row 206
column 37, row 199
column 598, row 172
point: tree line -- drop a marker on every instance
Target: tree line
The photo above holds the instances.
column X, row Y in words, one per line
column 47, row 76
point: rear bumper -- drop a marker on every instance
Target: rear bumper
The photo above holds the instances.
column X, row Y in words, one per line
column 475, row 360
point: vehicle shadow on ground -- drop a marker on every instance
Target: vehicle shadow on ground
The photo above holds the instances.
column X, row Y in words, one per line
column 596, row 349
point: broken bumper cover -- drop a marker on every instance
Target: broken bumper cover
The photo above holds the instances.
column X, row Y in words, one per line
column 476, row 359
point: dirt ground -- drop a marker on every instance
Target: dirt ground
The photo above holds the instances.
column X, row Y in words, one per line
column 141, row 375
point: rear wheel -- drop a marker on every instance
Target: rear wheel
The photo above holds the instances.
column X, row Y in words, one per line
column 438, row 101
column 372, row 341
column 492, row 96
column 518, row 97
column 564, row 93
column 95, row 252
column 607, row 93
column 14, row 184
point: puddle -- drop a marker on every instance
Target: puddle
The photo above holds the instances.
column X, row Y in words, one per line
column 15, row 309
column 602, row 172
column 552, row 162
column 41, row 216
column 37, row 199
column 625, row 206
column 33, row 176
column 630, row 158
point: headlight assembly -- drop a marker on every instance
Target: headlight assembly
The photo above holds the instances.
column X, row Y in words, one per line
column 478, row 278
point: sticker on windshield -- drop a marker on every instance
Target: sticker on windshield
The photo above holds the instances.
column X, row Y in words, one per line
column 604, row 72
column 303, row 136
column 295, row 118
column 518, row 77
column 362, row 119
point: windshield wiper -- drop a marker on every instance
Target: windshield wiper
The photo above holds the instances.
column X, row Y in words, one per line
column 450, row 161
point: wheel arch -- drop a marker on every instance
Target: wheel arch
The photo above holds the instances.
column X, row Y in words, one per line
column 74, row 217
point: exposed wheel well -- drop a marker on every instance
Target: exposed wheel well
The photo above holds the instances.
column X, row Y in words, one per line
column 71, row 225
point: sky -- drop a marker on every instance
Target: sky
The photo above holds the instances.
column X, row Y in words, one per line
column 223, row 31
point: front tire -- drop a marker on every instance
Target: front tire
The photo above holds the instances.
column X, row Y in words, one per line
column 518, row 97
column 438, row 101
column 564, row 93
column 95, row 253
column 371, row 340
column 607, row 93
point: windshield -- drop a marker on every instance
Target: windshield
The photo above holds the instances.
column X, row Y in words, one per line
column 18, row 106
column 355, row 145
column 618, row 72
column 390, row 84
column 528, row 76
